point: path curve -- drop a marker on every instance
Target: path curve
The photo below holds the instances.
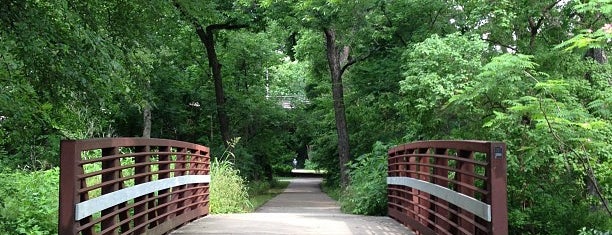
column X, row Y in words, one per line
column 301, row 209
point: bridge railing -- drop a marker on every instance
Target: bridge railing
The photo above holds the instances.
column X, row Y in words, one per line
column 449, row 187
column 131, row 185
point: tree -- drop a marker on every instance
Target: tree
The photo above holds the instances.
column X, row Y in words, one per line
column 336, row 58
column 206, row 35
column 323, row 15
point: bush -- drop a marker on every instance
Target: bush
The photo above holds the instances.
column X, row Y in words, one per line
column 367, row 192
column 258, row 187
column 228, row 191
column 310, row 165
column 29, row 202
column 282, row 169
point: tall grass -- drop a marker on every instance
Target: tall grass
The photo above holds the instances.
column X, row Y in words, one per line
column 228, row 190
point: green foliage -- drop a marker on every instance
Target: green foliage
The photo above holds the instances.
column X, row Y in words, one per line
column 435, row 70
column 585, row 231
column 282, row 169
column 375, row 91
column 332, row 189
column 29, row 202
column 589, row 38
column 76, row 70
column 551, row 136
column 367, row 192
column 310, row 165
column 228, row 190
column 259, row 187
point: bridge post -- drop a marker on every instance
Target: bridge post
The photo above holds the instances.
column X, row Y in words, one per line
column 496, row 173
column 68, row 186
column 442, row 179
column 466, row 216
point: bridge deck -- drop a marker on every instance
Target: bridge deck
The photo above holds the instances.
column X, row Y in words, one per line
column 301, row 209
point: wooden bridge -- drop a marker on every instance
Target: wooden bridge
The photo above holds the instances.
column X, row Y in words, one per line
column 154, row 186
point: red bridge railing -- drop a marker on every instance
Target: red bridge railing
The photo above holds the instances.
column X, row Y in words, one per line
column 131, row 185
column 449, row 187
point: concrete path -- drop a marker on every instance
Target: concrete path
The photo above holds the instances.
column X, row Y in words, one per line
column 301, row 209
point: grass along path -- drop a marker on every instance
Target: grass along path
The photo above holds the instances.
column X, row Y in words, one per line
column 259, row 196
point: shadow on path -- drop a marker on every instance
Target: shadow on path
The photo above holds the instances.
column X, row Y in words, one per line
column 301, row 209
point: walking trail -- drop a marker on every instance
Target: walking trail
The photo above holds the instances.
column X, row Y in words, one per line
column 301, row 209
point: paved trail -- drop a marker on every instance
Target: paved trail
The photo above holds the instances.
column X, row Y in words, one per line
column 301, row 209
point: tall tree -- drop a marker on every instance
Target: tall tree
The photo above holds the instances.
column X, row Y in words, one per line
column 348, row 39
column 337, row 60
column 206, row 34
column 323, row 16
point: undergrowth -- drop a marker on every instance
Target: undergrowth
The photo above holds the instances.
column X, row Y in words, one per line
column 29, row 202
column 261, row 192
column 367, row 191
column 228, row 190
column 332, row 190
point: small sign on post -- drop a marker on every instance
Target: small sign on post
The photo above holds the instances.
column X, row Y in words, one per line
column 499, row 152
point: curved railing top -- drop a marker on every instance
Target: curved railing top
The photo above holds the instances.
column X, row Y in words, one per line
column 91, row 144
column 468, row 145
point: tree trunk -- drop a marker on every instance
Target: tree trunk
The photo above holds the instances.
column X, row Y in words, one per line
column 302, row 155
column 146, row 116
column 334, row 57
column 593, row 187
column 207, row 38
column 599, row 56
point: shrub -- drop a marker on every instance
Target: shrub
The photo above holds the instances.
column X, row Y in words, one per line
column 367, row 192
column 29, row 202
column 228, row 191
column 310, row 165
column 282, row 169
column 259, row 187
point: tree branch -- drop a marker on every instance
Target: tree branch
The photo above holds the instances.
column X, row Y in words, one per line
column 550, row 6
column 390, row 23
column 355, row 60
column 435, row 18
column 584, row 160
column 535, row 26
column 500, row 44
column 228, row 26
column 185, row 14
column 209, row 28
